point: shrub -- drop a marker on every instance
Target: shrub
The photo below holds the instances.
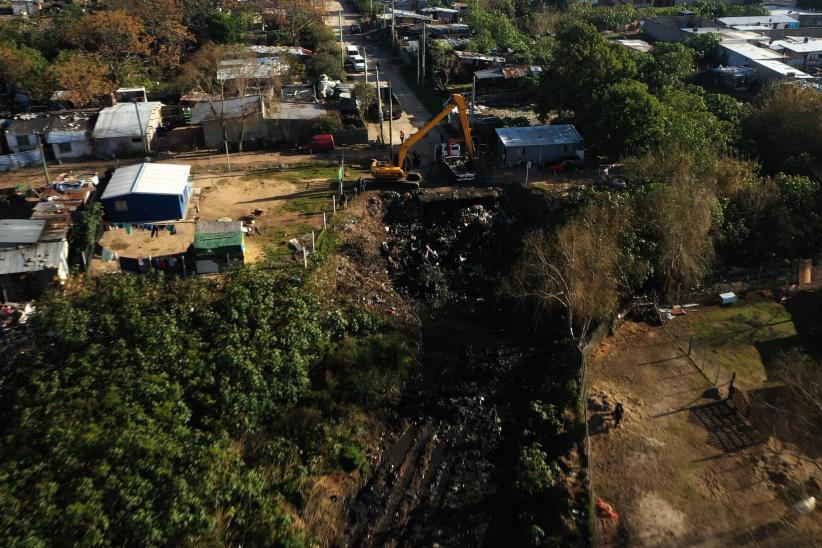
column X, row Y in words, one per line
column 535, row 475
column 352, row 458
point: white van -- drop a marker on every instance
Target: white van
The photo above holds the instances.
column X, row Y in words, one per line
column 351, row 51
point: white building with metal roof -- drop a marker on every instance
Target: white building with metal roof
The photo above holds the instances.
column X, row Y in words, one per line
column 539, row 145
column 120, row 129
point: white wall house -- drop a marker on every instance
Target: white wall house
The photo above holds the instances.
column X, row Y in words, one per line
column 119, row 129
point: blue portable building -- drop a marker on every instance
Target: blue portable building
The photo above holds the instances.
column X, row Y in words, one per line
column 143, row 193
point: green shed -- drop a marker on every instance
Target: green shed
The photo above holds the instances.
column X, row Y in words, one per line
column 218, row 245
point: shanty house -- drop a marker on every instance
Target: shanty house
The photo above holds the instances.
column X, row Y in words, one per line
column 143, row 193
column 32, row 258
column 69, row 134
column 242, row 116
column 505, row 83
column 120, row 129
column 218, row 245
column 24, row 130
column 539, row 145
column 294, row 122
column 26, row 7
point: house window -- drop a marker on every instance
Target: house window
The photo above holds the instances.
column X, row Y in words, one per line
column 24, row 140
column 64, row 148
column 120, row 205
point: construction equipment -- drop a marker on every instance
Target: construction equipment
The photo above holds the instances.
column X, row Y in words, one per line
column 394, row 170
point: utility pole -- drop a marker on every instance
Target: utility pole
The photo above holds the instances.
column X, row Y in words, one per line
column 393, row 33
column 390, row 121
column 419, row 50
column 365, row 62
column 227, row 157
column 142, row 131
column 379, row 105
column 43, row 159
column 423, row 53
column 473, row 98
column 342, row 49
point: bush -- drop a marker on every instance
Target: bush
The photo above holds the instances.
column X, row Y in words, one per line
column 535, row 476
column 352, row 458
column 330, row 123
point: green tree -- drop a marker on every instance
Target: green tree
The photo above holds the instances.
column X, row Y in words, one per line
column 785, row 130
column 670, row 65
column 622, row 116
column 583, row 63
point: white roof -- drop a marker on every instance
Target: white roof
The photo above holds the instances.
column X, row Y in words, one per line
column 797, row 44
column 560, row 134
column 756, row 20
column 20, row 231
column 751, row 52
column 148, row 179
column 781, row 68
column 637, row 45
column 120, row 120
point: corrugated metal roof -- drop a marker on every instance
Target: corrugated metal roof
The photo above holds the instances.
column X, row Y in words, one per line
column 20, row 231
column 35, row 257
column 299, row 111
column 560, row 134
column 474, row 56
column 213, row 235
column 148, row 179
column 120, row 120
column 756, row 20
column 751, row 52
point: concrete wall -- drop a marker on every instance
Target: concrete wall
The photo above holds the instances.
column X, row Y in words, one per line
column 15, row 145
column 255, row 128
column 79, row 149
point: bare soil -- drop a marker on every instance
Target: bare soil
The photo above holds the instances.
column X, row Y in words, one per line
column 683, row 469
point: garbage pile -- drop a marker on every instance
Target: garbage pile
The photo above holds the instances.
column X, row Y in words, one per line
column 443, row 259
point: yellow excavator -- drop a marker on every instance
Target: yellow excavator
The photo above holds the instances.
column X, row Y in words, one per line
column 393, row 170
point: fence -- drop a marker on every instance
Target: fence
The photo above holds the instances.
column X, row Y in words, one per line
column 21, row 159
column 586, row 349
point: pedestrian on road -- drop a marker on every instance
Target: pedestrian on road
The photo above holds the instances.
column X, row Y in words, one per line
column 402, row 136
column 619, row 411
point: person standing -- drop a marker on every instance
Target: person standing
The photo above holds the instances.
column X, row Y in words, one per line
column 402, row 136
column 619, row 412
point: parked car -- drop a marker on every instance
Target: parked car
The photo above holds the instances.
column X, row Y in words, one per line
column 356, row 28
column 318, row 143
column 571, row 164
column 351, row 51
column 355, row 63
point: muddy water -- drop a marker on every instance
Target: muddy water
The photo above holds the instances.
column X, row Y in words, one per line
column 446, row 476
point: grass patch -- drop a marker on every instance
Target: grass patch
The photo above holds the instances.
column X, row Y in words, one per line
column 311, row 204
column 739, row 338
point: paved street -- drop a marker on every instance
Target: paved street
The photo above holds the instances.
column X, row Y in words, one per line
column 414, row 115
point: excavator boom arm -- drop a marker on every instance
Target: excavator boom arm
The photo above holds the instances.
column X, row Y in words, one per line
column 459, row 101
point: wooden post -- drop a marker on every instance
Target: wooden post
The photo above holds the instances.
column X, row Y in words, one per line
column 312, row 242
column 305, row 258
column 325, row 226
column 334, row 204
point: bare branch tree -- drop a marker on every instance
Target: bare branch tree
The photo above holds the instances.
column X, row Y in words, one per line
column 576, row 270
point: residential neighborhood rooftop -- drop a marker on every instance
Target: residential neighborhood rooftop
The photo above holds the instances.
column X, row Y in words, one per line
column 148, row 178
column 122, row 120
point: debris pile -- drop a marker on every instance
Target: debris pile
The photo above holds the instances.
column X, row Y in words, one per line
column 442, row 260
